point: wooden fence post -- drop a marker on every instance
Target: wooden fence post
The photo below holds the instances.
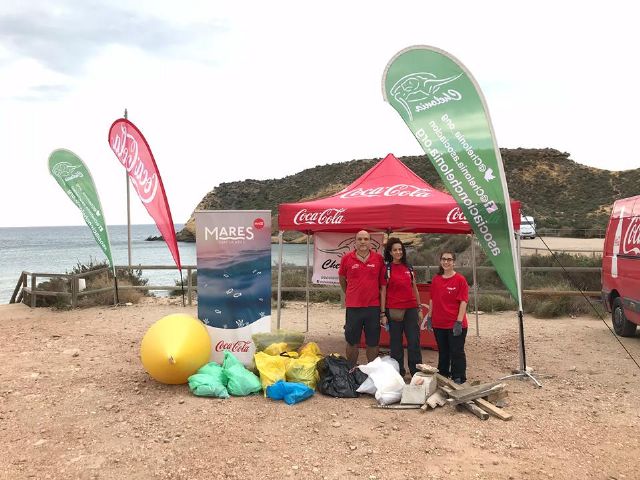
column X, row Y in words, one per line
column 74, row 291
column 33, row 290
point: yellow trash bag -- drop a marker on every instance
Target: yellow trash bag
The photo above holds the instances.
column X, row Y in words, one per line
column 271, row 368
column 303, row 369
column 276, row 348
column 311, row 349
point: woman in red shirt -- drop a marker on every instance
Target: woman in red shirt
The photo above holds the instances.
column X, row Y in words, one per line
column 399, row 291
column 448, row 318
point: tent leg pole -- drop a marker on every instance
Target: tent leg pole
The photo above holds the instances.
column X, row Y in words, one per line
column 475, row 282
column 279, row 294
column 306, row 277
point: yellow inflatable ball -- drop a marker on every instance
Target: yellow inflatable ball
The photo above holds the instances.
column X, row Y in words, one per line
column 174, row 348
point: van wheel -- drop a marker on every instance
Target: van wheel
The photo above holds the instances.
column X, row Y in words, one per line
column 621, row 325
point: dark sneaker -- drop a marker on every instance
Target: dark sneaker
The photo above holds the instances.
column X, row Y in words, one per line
column 459, row 381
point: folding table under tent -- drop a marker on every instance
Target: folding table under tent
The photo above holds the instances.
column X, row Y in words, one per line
column 387, row 198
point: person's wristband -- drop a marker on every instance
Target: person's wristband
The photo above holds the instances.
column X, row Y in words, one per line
column 383, row 314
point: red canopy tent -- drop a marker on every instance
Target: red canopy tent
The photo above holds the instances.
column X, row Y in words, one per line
column 389, row 197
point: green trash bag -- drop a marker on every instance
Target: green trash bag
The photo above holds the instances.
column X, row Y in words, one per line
column 209, row 381
column 240, row 381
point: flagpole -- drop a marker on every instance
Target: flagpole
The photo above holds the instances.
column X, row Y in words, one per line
column 126, row 176
column 475, row 281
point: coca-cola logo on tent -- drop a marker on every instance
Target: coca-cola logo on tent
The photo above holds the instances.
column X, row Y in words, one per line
column 399, row 190
column 455, row 215
column 631, row 243
column 328, row 216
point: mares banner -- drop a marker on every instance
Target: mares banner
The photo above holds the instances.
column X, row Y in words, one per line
column 233, row 249
column 443, row 106
column 73, row 176
column 328, row 249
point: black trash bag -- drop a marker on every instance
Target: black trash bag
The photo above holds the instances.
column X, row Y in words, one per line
column 337, row 379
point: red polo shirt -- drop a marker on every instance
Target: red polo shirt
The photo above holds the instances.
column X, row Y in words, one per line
column 363, row 279
column 446, row 295
column 400, row 292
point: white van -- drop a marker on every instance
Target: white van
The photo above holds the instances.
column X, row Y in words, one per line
column 527, row 227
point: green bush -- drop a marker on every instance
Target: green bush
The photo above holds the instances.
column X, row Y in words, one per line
column 103, row 279
column 178, row 292
column 494, row 303
column 294, row 276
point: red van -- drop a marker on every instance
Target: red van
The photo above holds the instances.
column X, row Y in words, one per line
column 621, row 266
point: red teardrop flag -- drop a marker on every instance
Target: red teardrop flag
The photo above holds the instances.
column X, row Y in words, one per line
column 134, row 153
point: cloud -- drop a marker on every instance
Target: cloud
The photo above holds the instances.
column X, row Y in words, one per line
column 45, row 92
column 64, row 36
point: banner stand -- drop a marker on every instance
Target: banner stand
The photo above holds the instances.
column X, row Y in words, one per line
column 522, row 372
column 307, row 280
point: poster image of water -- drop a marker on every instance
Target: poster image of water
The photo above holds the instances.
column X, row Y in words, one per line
column 237, row 292
column 233, row 250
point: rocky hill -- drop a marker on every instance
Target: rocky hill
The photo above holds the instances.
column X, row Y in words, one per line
column 557, row 191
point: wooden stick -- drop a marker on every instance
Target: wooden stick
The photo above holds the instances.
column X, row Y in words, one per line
column 473, row 395
column 398, row 406
column 472, row 407
column 488, row 406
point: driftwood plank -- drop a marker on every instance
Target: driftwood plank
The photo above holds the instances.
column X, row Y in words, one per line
column 475, row 409
column 472, row 407
column 474, row 393
column 489, row 407
column 397, row 406
column 461, row 393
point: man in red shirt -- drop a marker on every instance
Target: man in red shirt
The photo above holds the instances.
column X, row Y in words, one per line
column 360, row 280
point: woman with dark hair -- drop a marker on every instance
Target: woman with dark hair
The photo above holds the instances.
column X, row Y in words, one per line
column 400, row 306
column 448, row 318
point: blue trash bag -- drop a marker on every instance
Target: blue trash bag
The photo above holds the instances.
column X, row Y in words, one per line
column 289, row 392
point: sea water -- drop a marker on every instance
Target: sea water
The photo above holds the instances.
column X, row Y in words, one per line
column 59, row 249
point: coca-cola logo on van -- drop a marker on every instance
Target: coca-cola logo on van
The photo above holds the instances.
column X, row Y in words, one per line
column 455, row 215
column 399, row 190
column 631, row 242
column 329, row 216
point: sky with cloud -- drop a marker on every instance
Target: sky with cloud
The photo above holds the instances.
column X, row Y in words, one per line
column 226, row 91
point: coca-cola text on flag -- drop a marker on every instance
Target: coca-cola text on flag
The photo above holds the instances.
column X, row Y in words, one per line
column 134, row 153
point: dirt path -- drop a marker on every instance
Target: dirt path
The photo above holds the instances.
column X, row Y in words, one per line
column 584, row 246
column 76, row 403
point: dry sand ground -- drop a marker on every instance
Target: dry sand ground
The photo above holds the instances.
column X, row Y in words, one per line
column 76, row 403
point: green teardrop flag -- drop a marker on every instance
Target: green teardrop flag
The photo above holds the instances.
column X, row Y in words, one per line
column 73, row 176
column 443, row 106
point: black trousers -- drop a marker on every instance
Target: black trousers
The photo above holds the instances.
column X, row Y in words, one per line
column 411, row 329
column 452, row 361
